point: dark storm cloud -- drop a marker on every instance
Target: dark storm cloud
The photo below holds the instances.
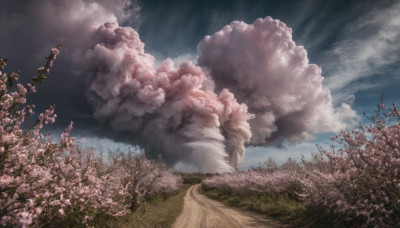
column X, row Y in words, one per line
column 31, row 28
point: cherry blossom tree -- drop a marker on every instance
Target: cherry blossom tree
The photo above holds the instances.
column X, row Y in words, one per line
column 144, row 178
column 38, row 177
column 359, row 174
column 41, row 179
column 356, row 179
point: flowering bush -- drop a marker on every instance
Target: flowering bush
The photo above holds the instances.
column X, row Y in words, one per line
column 41, row 179
column 144, row 178
column 274, row 181
column 357, row 179
column 359, row 176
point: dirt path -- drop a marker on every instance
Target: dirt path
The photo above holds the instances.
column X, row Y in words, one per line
column 201, row 211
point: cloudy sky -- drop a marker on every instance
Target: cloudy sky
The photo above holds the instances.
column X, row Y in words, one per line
column 353, row 45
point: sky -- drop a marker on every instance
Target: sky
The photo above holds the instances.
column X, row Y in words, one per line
column 353, row 45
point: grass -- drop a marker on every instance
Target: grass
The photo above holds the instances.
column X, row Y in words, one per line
column 155, row 213
column 283, row 207
column 194, row 178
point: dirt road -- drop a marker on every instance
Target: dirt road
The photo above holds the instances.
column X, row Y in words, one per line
column 201, row 211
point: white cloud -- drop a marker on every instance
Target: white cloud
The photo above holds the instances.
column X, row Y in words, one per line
column 367, row 47
column 100, row 143
column 187, row 57
column 257, row 155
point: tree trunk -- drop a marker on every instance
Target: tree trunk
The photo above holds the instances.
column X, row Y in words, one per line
column 134, row 203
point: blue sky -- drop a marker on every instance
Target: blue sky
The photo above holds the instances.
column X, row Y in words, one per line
column 356, row 43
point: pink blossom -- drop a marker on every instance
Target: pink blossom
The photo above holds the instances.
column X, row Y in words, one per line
column 359, row 175
column 61, row 211
column 63, row 176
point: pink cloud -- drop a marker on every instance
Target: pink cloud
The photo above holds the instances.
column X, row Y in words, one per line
column 172, row 111
column 263, row 67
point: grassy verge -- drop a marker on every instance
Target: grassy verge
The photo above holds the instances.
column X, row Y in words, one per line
column 283, row 208
column 155, row 213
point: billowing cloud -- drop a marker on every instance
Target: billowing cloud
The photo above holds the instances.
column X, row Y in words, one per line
column 169, row 111
column 197, row 117
column 31, row 28
column 43, row 23
column 263, row 67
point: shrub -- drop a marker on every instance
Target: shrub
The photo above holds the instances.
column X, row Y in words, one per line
column 354, row 182
column 41, row 180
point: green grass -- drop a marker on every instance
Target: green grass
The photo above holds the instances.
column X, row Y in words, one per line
column 154, row 213
column 157, row 212
column 283, row 208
